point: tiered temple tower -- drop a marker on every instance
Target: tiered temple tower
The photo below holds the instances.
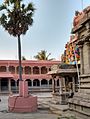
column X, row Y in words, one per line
column 81, row 27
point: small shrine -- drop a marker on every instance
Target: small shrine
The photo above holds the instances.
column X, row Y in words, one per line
column 68, row 82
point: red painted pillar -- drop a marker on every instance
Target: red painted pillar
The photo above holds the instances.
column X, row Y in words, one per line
column 23, row 88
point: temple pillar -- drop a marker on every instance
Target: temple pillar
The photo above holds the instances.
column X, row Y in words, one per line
column 39, row 70
column 53, row 85
column 31, row 70
column 60, row 85
column 7, row 69
column 81, row 60
column 85, row 68
column 9, row 85
column 40, row 82
column 86, row 57
column 32, row 82
column 48, row 83
column 0, row 85
column 64, row 84
column 15, row 70
column 24, row 70
column 73, row 81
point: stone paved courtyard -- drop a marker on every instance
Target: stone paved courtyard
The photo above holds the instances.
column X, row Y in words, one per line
column 40, row 114
column 43, row 111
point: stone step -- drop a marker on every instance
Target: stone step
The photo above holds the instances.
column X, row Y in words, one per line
column 58, row 109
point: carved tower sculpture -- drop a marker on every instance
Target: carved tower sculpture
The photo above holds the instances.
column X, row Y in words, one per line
column 81, row 27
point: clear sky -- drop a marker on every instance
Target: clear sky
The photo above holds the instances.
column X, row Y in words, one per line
column 50, row 31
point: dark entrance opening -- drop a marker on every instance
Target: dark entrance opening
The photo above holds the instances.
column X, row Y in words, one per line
column 4, row 84
column 36, row 82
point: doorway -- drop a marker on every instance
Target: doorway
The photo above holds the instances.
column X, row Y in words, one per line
column 4, row 84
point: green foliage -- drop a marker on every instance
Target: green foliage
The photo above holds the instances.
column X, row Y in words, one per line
column 16, row 17
column 23, row 58
column 2, row 7
column 42, row 55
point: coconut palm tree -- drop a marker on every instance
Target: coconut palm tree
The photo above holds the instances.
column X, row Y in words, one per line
column 23, row 58
column 42, row 55
column 16, row 18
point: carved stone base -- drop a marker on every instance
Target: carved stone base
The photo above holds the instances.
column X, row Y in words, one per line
column 23, row 102
column 80, row 103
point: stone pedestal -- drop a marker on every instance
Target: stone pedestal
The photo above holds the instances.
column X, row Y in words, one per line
column 23, row 102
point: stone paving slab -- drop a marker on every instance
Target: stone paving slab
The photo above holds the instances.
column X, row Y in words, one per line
column 36, row 115
column 40, row 114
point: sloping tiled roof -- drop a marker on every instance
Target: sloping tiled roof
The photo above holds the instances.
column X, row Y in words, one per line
column 63, row 70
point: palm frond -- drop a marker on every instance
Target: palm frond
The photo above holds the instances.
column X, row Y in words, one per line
column 16, row 19
column 42, row 55
column 12, row 1
column 3, row 20
column 30, row 7
column 2, row 7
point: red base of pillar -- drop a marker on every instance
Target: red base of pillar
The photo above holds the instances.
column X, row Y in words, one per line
column 22, row 104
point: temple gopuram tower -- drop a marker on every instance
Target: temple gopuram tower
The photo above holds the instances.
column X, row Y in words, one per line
column 81, row 27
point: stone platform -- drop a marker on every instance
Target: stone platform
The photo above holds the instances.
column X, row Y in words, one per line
column 22, row 104
column 80, row 103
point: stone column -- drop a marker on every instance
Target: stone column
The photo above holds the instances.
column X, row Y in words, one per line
column 39, row 70
column 53, row 85
column 55, row 82
column 64, row 84
column 0, row 85
column 86, row 57
column 81, row 60
column 24, row 70
column 15, row 70
column 73, row 81
column 31, row 70
column 9, row 85
column 48, row 83
column 7, row 69
column 60, row 84
column 32, row 83
column 40, row 82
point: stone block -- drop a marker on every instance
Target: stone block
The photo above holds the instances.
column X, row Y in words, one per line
column 22, row 104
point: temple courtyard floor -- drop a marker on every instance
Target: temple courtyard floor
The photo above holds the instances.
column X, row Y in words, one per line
column 43, row 111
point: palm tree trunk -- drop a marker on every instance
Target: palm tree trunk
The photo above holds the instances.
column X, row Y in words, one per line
column 19, row 57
